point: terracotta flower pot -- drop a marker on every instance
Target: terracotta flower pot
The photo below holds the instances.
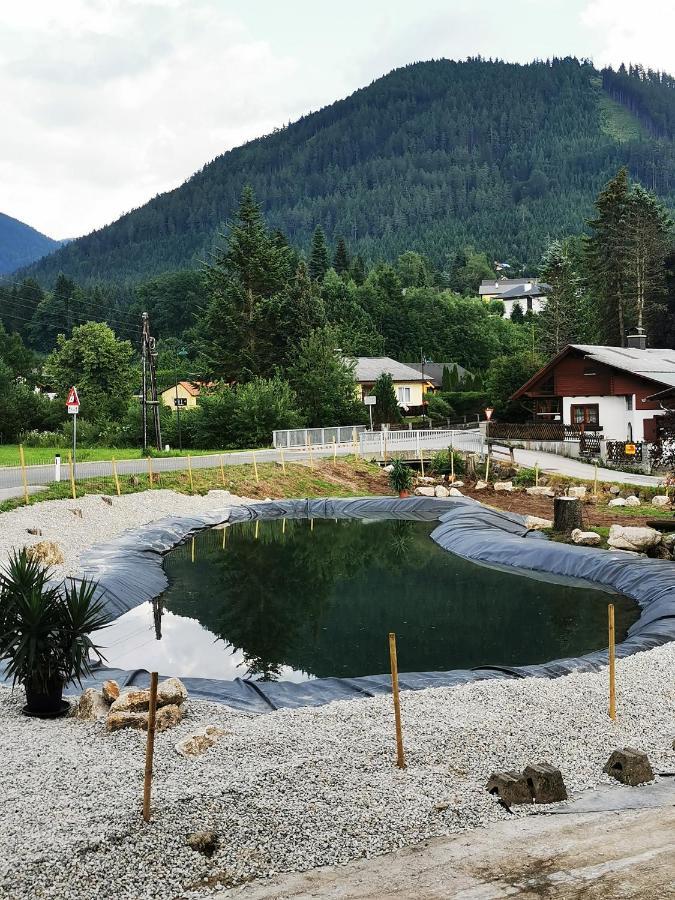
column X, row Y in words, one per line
column 403, row 494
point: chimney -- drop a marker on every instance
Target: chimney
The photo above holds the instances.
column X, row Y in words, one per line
column 638, row 341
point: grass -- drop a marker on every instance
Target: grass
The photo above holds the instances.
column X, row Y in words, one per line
column 348, row 478
column 9, row 454
column 618, row 122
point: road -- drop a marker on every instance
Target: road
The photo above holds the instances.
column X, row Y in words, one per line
column 575, row 468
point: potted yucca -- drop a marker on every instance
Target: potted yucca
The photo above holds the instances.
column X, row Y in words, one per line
column 400, row 478
column 45, row 630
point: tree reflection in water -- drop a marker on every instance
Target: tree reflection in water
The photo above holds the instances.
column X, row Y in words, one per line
column 321, row 600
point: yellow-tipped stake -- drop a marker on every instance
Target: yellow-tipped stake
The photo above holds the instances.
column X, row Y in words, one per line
column 117, row 481
column 150, row 471
column 612, row 663
column 400, row 755
column 334, row 451
column 595, row 481
column 222, row 471
column 192, row 484
column 224, row 537
column 257, row 528
column 24, row 477
column 452, row 464
column 309, row 447
column 536, row 474
column 421, row 461
column 311, row 524
column 283, row 464
column 255, row 468
column 283, row 526
column 150, row 747
column 487, row 467
column 193, row 549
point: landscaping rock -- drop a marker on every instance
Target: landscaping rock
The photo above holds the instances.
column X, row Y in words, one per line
column 453, row 492
column 660, row 500
column 167, row 717
column 586, row 538
column 535, row 523
column 578, row 491
column 111, row 691
column 615, row 489
column 481, row 485
column 503, row 485
column 458, row 484
column 540, row 492
column 199, row 741
column 425, row 492
column 126, row 719
column 388, row 468
column 633, row 537
column 425, row 479
column 441, row 491
column 136, row 700
column 107, row 500
column 546, row 783
column 171, row 691
column 617, row 501
column 511, row 787
column 629, row 766
column 91, row 706
column 205, row 842
column 46, row 552
column 632, row 500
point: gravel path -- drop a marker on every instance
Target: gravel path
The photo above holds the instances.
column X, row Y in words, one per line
column 100, row 522
column 296, row 789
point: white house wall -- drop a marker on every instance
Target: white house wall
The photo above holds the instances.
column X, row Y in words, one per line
column 538, row 304
column 612, row 412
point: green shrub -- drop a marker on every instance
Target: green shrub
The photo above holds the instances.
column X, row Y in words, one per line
column 525, row 478
column 440, row 463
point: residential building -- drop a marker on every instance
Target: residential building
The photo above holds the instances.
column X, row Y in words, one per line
column 529, row 293
column 409, row 384
column 613, row 390
column 184, row 394
column 434, row 372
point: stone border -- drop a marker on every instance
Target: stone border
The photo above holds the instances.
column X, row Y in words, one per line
column 130, row 571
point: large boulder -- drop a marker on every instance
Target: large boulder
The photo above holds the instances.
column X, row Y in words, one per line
column 586, row 538
column 46, row 552
column 441, row 491
column 660, row 500
column 617, row 501
column 481, row 485
column 199, row 741
column 91, row 706
column 168, row 716
column 425, row 492
column 540, row 492
column 633, row 537
column 453, row 492
column 578, row 491
column 535, row 523
column 171, row 691
column 165, row 717
column 632, row 500
column 503, row 486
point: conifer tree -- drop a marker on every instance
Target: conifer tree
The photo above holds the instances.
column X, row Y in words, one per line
column 357, row 270
column 517, row 314
column 386, row 410
column 319, row 261
column 341, row 258
column 446, row 380
column 564, row 318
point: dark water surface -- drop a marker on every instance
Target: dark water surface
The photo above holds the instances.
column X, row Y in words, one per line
column 297, row 600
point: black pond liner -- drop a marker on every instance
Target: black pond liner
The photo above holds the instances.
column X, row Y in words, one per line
column 130, row 572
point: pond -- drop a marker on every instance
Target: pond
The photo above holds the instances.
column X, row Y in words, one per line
column 294, row 599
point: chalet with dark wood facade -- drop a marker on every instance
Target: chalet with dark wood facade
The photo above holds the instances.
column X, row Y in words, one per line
column 613, row 390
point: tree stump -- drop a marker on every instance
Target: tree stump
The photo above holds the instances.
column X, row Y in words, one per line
column 567, row 514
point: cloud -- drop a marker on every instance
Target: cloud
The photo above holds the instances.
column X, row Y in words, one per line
column 629, row 32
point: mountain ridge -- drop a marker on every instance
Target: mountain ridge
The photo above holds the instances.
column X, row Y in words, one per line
column 21, row 244
column 433, row 156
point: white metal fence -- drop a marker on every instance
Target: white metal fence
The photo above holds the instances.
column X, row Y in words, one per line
column 302, row 437
column 380, row 443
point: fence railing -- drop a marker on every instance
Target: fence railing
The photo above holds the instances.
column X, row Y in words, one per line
column 303, row 437
column 541, row 431
column 383, row 443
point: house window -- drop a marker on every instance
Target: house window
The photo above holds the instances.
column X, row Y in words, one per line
column 529, row 304
column 404, row 396
column 629, row 402
column 588, row 414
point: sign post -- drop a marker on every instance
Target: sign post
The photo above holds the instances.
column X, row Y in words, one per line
column 73, row 404
column 370, row 403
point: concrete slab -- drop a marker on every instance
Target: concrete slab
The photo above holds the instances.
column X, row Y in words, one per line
column 13, row 493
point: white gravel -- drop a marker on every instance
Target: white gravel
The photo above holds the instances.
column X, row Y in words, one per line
column 296, row 789
column 99, row 523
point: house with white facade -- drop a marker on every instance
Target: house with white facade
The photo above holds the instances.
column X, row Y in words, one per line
column 410, row 385
column 609, row 390
column 528, row 293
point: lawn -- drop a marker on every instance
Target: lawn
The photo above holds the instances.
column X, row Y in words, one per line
column 9, row 454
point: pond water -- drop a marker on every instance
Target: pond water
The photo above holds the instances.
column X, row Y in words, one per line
column 299, row 599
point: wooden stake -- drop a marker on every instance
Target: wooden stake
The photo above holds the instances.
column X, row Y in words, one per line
column 311, row 458
column 536, row 474
column 72, row 475
column 400, row 755
column 487, row 467
column 452, row 465
column 612, row 664
column 222, row 471
column 257, row 528
column 150, row 470
column 224, row 537
column 311, row 524
column 117, row 481
column 24, row 478
column 595, row 481
column 283, row 526
column 421, row 461
column 334, row 451
column 192, row 545
column 192, row 484
column 283, row 464
column 150, row 747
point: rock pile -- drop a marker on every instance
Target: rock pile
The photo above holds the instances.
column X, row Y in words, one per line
column 131, row 708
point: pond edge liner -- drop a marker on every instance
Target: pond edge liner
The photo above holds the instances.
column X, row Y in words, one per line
column 129, row 571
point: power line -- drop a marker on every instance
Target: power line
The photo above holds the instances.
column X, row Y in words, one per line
column 79, row 320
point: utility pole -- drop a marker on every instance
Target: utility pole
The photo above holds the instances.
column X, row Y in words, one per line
column 149, row 359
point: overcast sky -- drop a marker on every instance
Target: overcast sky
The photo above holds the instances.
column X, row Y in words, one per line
column 105, row 103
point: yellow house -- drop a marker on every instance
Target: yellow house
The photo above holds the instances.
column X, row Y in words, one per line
column 410, row 386
column 184, row 394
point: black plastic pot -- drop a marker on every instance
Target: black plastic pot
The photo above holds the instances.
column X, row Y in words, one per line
column 47, row 703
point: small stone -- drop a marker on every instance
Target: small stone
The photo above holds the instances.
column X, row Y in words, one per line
column 535, row 523
column 107, row 500
column 110, row 691
column 660, row 500
column 441, row 491
column 388, row 468
column 629, row 766
column 77, row 512
column 35, row 531
column 168, row 716
column 546, row 783
column 615, row 489
column 458, row 484
column 91, row 706
column 578, row 491
column 46, row 552
column 171, row 691
column 199, row 741
column 137, row 700
column 425, row 492
column 127, row 719
column 205, row 842
column 617, row 501
column 441, row 806
column 453, row 492
column 586, row 538
column 632, row 500
column 503, row 485
column 540, row 492
column 481, row 485
column 511, row 787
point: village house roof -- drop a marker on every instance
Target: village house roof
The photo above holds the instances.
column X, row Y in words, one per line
column 369, row 368
column 193, row 388
column 512, row 288
column 434, row 371
column 657, row 365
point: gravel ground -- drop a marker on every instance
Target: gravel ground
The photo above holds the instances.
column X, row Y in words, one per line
column 296, row 789
column 100, row 522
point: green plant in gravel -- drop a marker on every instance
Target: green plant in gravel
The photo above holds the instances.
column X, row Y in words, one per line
column 525, row 478
column 440, row 463
column 45, row 630
column 400, row 477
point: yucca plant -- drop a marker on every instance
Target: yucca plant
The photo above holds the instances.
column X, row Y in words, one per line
column 45, row 631
column 400, row 478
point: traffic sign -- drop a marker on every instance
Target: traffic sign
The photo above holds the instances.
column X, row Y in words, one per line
column 370, row 401
column 73, row 402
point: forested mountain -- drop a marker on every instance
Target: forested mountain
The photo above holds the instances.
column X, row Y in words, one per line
column 20, row 244
column 432, row 157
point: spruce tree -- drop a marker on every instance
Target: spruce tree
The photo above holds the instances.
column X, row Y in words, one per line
column 341, row 258
column 648, row 242
column 564, row 318
column 319, row 262
column 517, row 314
column 386, row 410
column 446, row 380
column 357, row 270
